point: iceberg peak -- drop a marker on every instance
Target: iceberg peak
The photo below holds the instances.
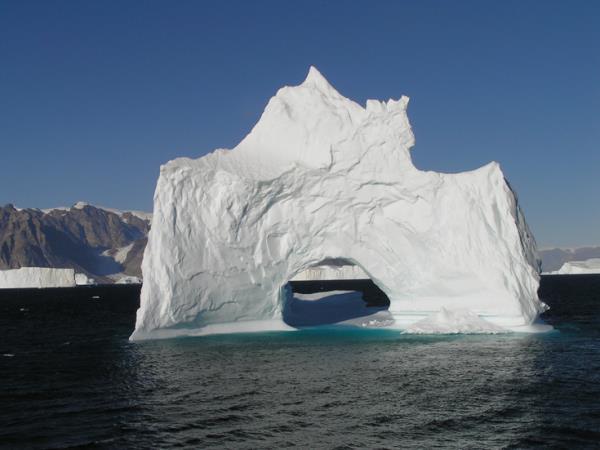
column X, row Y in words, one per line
column 310, row 124
column 316, row 78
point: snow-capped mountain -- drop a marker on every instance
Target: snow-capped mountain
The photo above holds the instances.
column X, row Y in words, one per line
column 103, row 243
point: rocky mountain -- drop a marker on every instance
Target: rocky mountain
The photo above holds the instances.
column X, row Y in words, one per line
column 554, row 258
column 102, row 243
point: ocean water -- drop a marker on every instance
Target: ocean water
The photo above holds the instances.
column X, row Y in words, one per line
column 69, row 378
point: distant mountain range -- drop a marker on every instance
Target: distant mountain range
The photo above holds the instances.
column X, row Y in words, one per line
column 106, row 244
column 554, row 258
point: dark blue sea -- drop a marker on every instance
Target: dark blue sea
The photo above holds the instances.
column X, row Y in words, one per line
column 69, row 378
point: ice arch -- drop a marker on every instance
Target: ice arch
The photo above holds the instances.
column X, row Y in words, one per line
column 320, row 177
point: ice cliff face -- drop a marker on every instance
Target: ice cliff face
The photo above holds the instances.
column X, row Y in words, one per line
column 36, row 277
column 321, row 178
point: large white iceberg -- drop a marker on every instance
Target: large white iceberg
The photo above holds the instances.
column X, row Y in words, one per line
column 36, row 277
column 321, row 178
column 589, row 266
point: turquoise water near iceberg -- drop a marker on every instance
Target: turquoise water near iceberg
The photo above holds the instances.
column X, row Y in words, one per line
column 69, row 378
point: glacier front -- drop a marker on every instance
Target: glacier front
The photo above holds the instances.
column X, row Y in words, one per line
column 322, row 178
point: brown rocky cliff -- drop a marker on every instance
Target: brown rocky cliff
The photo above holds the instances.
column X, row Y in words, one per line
column 75, row 238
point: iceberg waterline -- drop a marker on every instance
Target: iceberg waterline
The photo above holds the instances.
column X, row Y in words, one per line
column 321, row 178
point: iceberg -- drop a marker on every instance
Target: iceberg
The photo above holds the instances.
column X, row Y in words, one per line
column 589, row 266
column 321, row 178
column 36, row 277
column 81, row 279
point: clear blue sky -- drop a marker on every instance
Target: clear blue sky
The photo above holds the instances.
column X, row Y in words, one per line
column 94, row 96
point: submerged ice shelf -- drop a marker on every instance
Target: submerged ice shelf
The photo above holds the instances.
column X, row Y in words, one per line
column 321, row 178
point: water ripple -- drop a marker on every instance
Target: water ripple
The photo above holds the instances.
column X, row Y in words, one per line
column 310, row 389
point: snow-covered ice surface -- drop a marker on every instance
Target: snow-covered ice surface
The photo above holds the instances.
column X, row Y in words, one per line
column 36, row 277
column 321, row 177
column 119, row 255
column 579, row 267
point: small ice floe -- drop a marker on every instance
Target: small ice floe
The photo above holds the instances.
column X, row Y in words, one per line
column 95, row 297
column 24, row 309
column 8, row 355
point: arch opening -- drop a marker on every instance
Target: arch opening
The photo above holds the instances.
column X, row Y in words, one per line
column 335, row 291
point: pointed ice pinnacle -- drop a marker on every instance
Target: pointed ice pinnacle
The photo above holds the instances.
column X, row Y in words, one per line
column 315, row 77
